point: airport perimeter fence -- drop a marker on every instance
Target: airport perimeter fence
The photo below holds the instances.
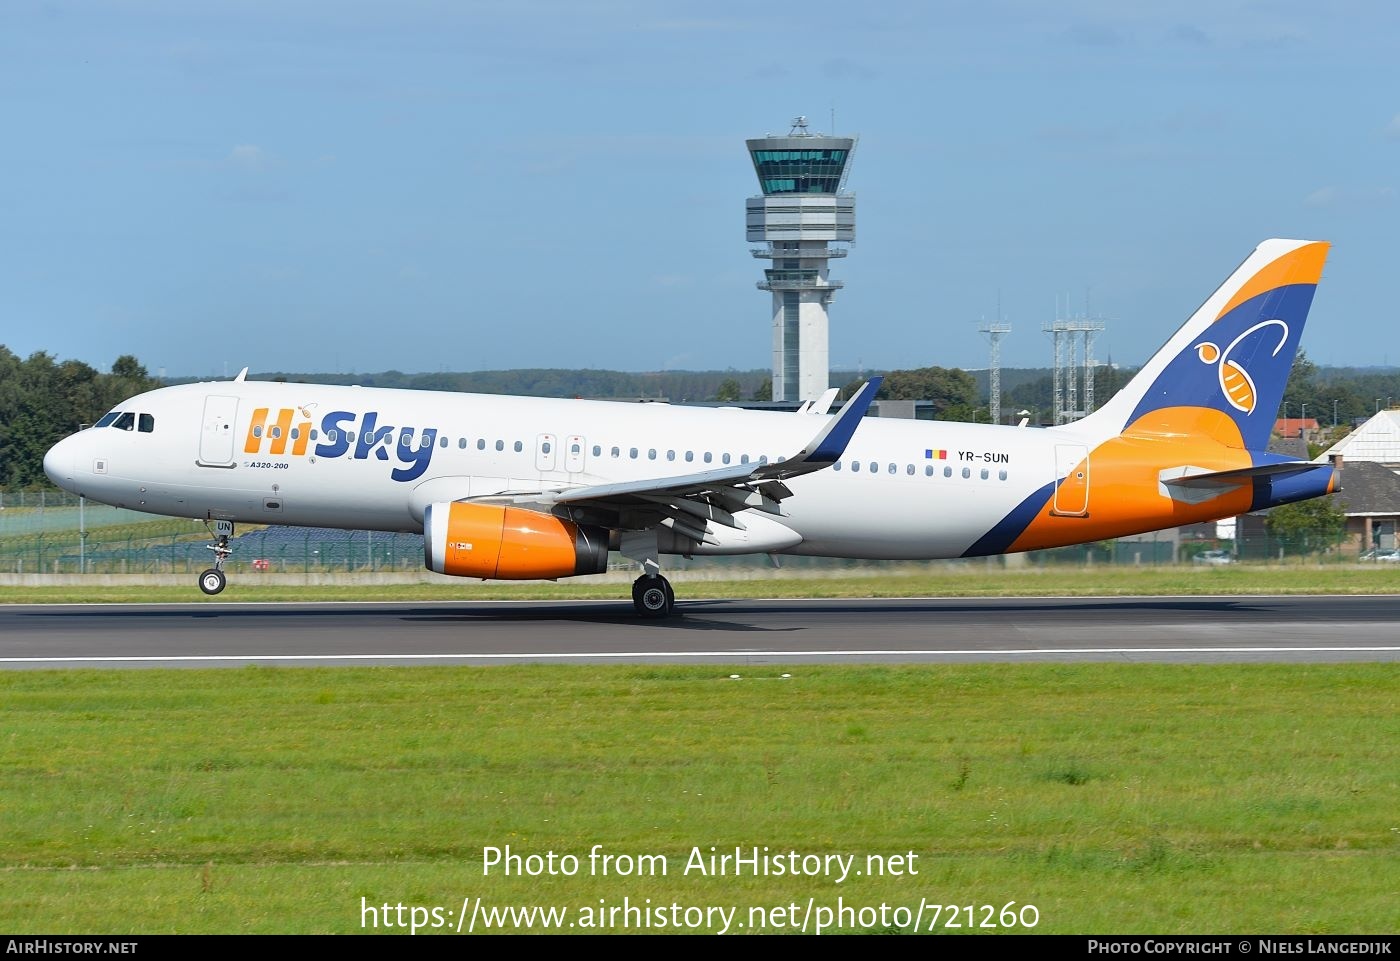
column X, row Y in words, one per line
column 46, row 532
column 36, row 500
column 279, row 550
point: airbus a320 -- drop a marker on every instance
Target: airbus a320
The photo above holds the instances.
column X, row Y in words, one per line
column 527, row 488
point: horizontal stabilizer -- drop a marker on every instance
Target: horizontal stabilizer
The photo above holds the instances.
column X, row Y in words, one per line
column 1200, row 478
column 1195, row 485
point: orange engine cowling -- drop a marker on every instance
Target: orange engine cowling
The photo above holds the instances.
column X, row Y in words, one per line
column 489, row 540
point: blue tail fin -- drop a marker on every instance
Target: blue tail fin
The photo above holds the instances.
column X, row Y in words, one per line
column 1233, row 356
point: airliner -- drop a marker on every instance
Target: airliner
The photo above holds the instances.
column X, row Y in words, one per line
column 536, row 488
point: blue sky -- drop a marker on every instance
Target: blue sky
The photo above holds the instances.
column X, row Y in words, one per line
column 420, row 185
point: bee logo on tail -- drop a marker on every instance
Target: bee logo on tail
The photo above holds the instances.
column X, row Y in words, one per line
column 1235, row 381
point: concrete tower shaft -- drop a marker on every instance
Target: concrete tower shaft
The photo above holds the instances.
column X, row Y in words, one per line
column 804, row 208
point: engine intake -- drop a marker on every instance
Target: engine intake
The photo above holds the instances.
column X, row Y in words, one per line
column 509, row 543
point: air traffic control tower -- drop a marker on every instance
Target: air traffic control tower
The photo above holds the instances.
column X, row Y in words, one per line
column 804, row 207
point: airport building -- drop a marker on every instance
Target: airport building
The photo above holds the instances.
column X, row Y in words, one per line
column 803, row 209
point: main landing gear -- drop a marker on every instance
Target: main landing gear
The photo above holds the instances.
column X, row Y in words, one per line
column 213, row 580
column 653, row 597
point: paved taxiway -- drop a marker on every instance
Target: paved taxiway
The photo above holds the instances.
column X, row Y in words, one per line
column 1164, row 629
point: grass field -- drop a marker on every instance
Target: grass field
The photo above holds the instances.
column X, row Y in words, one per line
column 1114, row 798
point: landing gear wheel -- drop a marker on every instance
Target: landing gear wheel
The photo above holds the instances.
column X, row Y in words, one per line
column 653, row 597
column 212, row 581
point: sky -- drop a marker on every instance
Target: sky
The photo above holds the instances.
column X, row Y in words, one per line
column 425, row 185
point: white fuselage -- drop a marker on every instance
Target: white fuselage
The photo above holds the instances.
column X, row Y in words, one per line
column 902, row 489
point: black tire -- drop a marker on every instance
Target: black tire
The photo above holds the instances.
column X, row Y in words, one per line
column 653, row 597
column 212, row 581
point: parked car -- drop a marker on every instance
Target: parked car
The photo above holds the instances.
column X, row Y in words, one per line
column 1383, row 554
column 1213, row 557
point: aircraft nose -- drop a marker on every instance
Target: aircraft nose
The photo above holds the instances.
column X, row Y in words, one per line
column 59, row 461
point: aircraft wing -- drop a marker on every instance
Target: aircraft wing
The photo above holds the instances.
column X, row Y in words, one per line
column 688, row 502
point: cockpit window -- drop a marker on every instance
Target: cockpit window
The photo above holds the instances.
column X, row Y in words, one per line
column 107, row 419
column 125, row 421
column 146, row 423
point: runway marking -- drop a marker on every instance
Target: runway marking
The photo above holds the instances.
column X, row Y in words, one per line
column 231, row 606
column 605, row 655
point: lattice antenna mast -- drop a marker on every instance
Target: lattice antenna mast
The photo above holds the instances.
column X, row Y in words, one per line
column 1073, row 339
column 995, row 332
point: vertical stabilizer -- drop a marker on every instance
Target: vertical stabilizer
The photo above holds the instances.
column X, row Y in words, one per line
column 1233, row 356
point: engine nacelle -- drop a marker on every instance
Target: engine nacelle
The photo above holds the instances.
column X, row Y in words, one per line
column 510, row 543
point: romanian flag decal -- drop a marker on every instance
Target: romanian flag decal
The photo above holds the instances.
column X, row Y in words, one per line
column 935, row 455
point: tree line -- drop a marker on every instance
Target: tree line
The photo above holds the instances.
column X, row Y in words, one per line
column 43, row 400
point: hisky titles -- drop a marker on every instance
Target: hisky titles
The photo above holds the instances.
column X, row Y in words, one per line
column 342, row 433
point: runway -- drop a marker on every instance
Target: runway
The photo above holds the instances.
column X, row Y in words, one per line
column 739, row 632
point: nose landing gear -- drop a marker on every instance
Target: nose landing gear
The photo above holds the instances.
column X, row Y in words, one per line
column 213, row 580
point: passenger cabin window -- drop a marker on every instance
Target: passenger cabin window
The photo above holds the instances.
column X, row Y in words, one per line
column 519, row 447
column 500, row 445
column 146, row 423
column 125, row 421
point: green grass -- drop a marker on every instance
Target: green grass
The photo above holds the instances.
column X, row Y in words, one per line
column 929, row 581
column 1115, row 798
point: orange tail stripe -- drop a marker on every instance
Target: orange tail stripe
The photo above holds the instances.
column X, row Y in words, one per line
column 1302, row 266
